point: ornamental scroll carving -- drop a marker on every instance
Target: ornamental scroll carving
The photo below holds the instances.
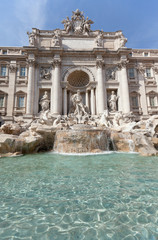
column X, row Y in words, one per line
column 78, row 23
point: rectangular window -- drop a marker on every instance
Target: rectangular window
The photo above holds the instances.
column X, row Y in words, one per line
column 1, row 101
column 152, row 101
column 22, row 72
column 5, row 52
column 3, row 71
column 131, row 73
column 134, row 101
column 148, row 72
column 146, row 54
column 21, row 102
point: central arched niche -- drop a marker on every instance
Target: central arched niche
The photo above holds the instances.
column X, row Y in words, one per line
column 78, row 79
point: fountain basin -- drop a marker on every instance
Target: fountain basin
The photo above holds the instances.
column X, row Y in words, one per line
column 81, row 140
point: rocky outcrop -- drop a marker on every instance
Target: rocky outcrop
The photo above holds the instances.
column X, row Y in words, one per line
column 31, row 141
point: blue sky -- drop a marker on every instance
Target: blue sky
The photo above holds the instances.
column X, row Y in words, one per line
column 138, row 19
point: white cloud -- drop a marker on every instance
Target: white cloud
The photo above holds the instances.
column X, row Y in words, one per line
column 29, row 13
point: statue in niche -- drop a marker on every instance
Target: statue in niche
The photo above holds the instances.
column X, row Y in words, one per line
column 67, row 24
column 99, row 39
column 45, row 73
column 45, row 102
column 80, row 109
column 31, row 38
column 77, row 103
column 112, row 102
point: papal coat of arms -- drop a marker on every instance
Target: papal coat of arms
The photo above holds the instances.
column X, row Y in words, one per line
column 78, row 24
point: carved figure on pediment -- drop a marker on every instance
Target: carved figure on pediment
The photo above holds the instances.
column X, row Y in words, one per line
column 78, row 24
column 57, row 39
column 99, row 39
column 31, row 38
column 67, row 24
column 122, row 43
column 87, row 25
column 45, row 102
column 45, row 73
column 112, row 102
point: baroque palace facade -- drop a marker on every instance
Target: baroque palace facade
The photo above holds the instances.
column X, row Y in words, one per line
column 63, row 61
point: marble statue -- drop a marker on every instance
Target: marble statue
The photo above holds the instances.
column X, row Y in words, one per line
column 86, row 25
column 104, row 120
column 67, row 24
column 112, row 102
column 57, row 39
column 77, row 102
column 45, row 101
column 31, row 38
column 99, row 39
column 78, row 24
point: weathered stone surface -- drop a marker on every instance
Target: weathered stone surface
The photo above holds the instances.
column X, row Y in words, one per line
column 80, row 141
column 120, row 141
column 144, row 145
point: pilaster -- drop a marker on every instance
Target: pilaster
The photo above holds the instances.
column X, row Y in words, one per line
column 30, row 87
column 12, row 79
column 143, row 97
column 56, row 87
column 101, row 85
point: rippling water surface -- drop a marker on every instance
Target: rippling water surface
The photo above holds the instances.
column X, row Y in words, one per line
column 50, row 196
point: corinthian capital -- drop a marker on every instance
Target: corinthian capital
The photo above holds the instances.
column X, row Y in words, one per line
column 100, row 63
column 30, row 61
column 155, row 69
column 141, row 69
column 122, row 64
column 12, row 68
column 56, row 62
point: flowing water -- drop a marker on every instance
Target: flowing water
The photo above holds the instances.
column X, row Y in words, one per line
column 50, row 196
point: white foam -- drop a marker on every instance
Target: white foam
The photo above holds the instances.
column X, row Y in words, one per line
column 83, row 154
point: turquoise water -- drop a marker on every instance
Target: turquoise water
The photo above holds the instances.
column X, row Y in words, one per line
column 50, row 196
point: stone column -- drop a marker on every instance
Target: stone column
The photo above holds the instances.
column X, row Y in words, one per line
column 30, row 88
column 65, row 101
column 11, row 89
column 36, row 90
column 100, row 86
column 56, row 88
column 87, row 98
column 92, row 101
column 143, row 97
column 124, row 89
